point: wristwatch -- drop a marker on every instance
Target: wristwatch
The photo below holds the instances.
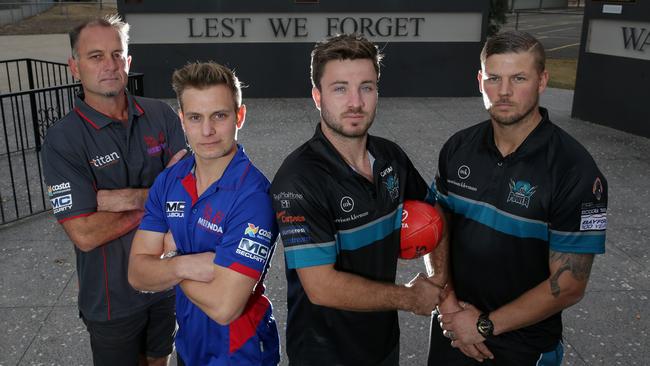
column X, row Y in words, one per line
column 484, row 325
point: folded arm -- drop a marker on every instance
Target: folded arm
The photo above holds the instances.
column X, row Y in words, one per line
column 99, row 228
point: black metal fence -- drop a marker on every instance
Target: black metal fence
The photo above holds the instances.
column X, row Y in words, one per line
column 40, row 93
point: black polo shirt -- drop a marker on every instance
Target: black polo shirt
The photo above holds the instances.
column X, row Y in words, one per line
column 507, row 212
column 330, row 214
column 87, row 151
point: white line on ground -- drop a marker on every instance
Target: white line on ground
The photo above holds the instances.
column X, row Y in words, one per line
column 561, row 47
column 556, row 30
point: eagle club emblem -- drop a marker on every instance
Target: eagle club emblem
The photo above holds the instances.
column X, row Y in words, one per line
column 392, row 186
column 521, row 192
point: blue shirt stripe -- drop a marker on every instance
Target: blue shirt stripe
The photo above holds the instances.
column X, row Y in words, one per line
column 309, row 255
column 496, row 219
column 371, row 232
column 582, row 242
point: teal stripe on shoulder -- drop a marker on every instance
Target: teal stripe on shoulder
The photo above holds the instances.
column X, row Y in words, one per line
column 496, row 219
column 578, row 242
column 371, row 232
column 309, row 255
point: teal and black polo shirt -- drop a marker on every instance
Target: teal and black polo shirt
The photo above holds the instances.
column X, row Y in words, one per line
column 87, row 151
column 508, row 212
column 329, row 214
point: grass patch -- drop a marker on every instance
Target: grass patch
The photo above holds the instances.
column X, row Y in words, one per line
column 60, row 18
column 562, row 73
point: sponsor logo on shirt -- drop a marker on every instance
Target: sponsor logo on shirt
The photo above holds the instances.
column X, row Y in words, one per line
column 386, row 171
column 521, row 192
column 464, row 172
column 175, row 208
column 255, row 232
column 294, row 230
column 287, row 195
column 461, row 185
column 347, row 204
column 210, row 225
column 104, row 161
column 354, row 216
column 252, row 249
column 58, row 189
column 61, row 203
column 155, row 146
column 598, row 189
column 593, row 216
column 282, row 216
column 296, row 240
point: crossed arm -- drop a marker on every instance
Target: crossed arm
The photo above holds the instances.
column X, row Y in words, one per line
column 118, row 212
column 219, row 292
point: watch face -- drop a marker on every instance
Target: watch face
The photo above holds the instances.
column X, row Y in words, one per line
column 485, row 326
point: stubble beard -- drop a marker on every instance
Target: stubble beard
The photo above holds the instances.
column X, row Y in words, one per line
column 514, row 119
column 335, row 125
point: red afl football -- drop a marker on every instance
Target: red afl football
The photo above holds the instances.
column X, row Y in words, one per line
column 421, row 229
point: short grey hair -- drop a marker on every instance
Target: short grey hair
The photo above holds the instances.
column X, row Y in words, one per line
column 113, row 21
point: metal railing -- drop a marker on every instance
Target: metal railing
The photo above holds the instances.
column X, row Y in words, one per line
column 25, row 116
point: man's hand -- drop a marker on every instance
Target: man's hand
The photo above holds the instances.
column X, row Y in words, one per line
column 425, row 295
column 176, row 158
column 196, row 267
column 450, row 305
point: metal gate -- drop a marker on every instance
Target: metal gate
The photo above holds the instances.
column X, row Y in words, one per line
column 34, row 94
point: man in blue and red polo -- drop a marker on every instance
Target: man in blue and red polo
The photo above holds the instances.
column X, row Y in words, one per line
column 218, row 211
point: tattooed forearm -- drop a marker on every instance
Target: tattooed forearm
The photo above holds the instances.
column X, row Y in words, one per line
column 579, row 266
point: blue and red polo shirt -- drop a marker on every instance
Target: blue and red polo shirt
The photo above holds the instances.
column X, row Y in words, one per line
column 233, row 218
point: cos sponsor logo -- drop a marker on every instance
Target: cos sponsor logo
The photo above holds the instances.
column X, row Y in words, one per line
column 252, row 249
column 282, row 216
column 254, row 231
column 175, row 208
column 62, row 203
column 58, row 188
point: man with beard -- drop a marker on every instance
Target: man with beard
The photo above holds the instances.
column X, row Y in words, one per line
column 338, row 201
column 99, row 161
column 526, row 207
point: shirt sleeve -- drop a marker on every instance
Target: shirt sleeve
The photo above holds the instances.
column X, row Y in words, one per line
column 154, row 209
column 249, row 236
column 306, row 228
column 70, row 184
column 579, row 213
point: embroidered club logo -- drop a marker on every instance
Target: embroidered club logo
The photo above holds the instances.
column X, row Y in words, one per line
column 251, row 230
column 597, row 189
column 155, row 146
column 521, row 192
column 392, row 186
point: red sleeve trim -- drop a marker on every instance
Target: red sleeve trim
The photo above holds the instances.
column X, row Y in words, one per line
column 75, row 217
column 246, row 271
